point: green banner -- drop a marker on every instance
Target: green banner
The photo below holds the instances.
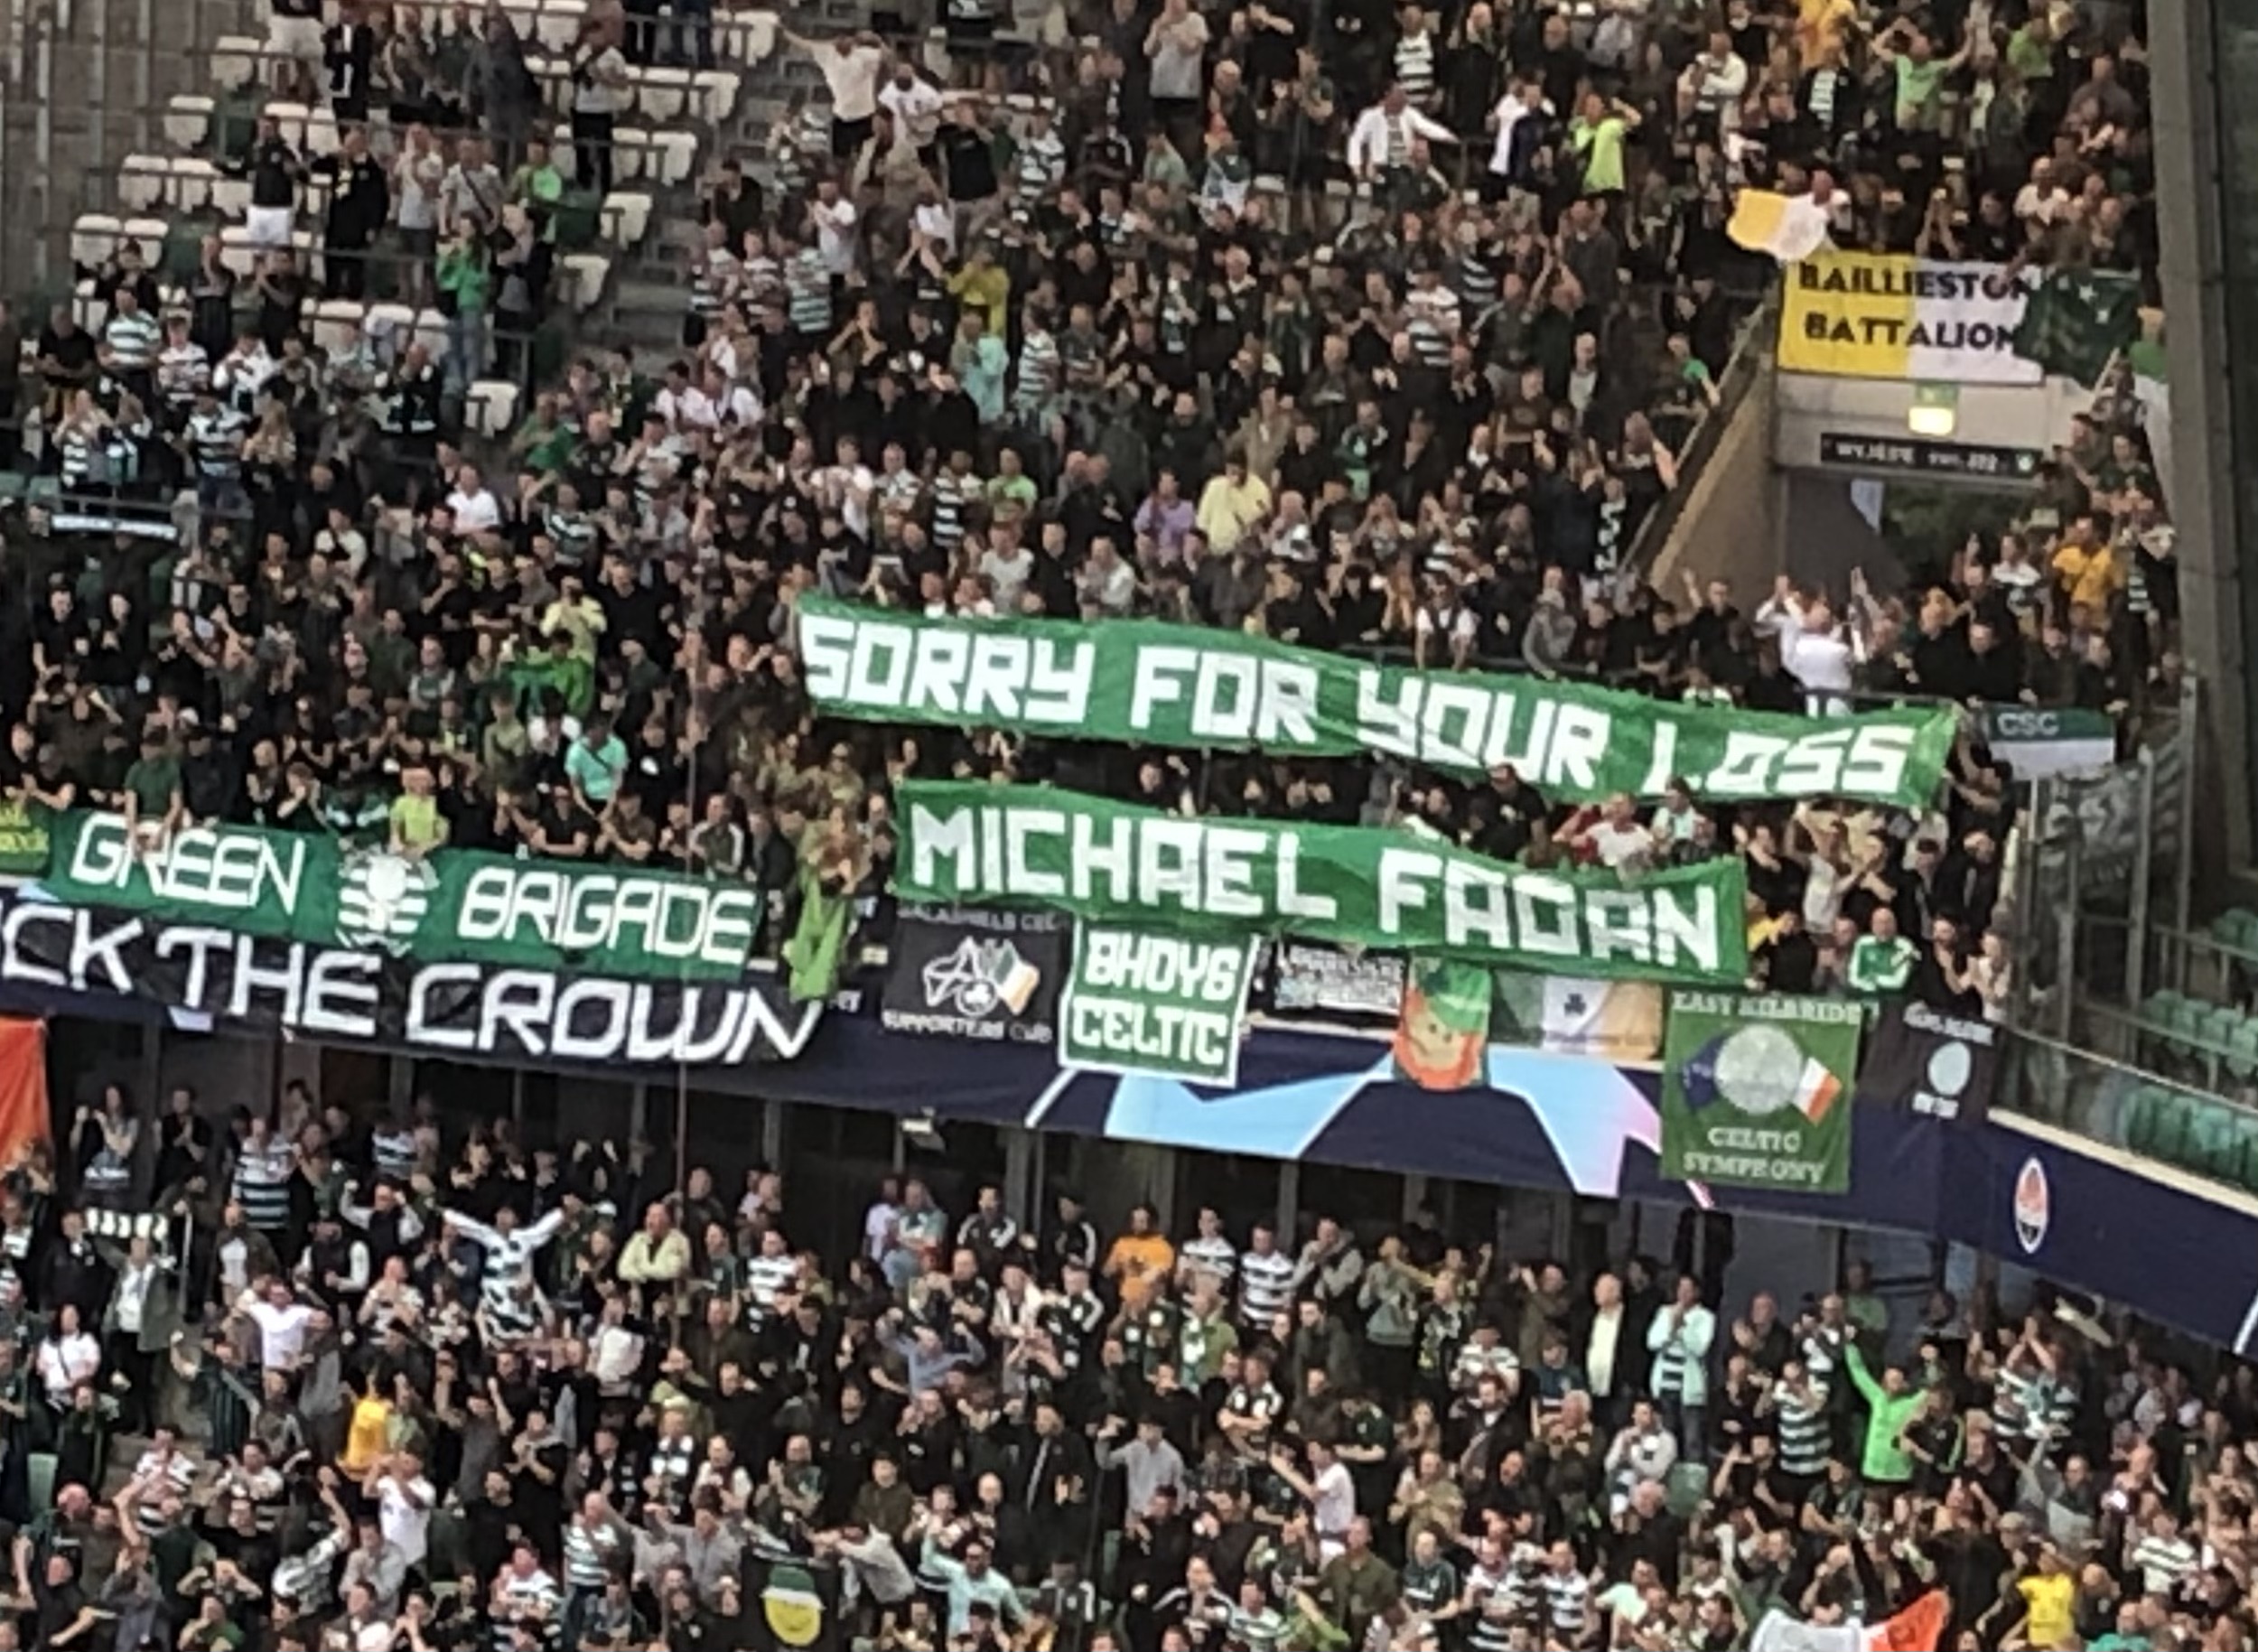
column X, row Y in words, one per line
column 2046, row 743
column 1024, row 845
column 1149, row 1000
column 1755, row 1092
column 456, row 906
column 1145, row 683
column 25, row 839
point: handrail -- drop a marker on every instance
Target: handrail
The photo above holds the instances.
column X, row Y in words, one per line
column 1750, row 351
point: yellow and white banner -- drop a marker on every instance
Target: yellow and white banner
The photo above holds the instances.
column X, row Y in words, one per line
column 1887, row 315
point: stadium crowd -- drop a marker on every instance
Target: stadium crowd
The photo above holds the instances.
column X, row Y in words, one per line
column 1073, row 354
column 1090, row 331
column 401, row 1385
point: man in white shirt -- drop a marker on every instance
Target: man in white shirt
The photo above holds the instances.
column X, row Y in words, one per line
column 913, row 106
column 472, row 505
column 282, row 1321
column 851, row 67
column 1381, row 140
column 404, row 1500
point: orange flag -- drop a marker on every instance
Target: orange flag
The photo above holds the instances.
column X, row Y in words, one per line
column 1920, row 1628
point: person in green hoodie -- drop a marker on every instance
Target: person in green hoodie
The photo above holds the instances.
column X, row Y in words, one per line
column 1891, row 1405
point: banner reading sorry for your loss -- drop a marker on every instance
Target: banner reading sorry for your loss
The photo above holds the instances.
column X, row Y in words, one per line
column 1142, row 682
column 1888, row 315
column 1108, row 862
column 455, row 904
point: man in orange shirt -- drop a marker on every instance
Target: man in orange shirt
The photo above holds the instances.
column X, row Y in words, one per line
column 1140, row 1259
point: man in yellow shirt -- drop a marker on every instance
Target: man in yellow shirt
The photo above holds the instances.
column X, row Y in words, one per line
column 2090, row 570
column 1822, row 26
column 1140, row 1259
column 2049, row 1602
column 1232, row 503
column 418, row 826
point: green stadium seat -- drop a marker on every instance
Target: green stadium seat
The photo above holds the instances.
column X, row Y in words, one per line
column 2246, row 1131
column 2150, row 1127
column 2214, row 1144
column 2242, row 1047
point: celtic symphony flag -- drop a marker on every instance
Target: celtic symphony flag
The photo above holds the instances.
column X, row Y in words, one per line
column 1022, row 845
column 456, row 904
column 1148, row 1000
column 1757, row 1091
column 975, row 973
column 1145, row 683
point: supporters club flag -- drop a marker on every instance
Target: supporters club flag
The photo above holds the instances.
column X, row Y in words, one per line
column 2078, row 320
column 1941, row 1065
column 1607, row 1020
column 1756, row 1091
column 969, row 973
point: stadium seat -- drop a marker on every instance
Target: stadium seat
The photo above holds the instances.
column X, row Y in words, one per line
column 2242, row 1048
column 626, row 216
column 558, row 22
column 193, row 180
column 431, row 333
column 714, row 94
column 321, row 135
column 290, row 119
column 630, row 152
column 141, row 181
column 389, row 327
column 675, row 160
column 492, row 406
column 237, row 252
column 2151, row 1127
column 93, row 238
column 235, row 59
column 661, row 95
column 87, row 308
column 231, row 197
column 149, row 231
column 188, row 121
column 585, row 274
column 2214, row 1148
column 337, row 325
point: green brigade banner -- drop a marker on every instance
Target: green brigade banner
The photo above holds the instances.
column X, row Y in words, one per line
column 1146, row 682
column 457, row 905
column 1755, row 1092
column 978, row 844
column 24, row 838
column 1147, row 1001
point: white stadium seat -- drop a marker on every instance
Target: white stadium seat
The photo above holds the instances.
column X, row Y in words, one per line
column 187, row 121
column 492, row 406
column 141, row 182
column 661, row 95
column 235, row 59
column 337, row 325
column 626, row 216
column 586, row 273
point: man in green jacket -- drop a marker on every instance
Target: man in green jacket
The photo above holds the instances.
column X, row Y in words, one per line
column 1889, row 1407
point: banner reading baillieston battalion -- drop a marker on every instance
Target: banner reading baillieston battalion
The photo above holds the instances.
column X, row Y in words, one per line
column 457, row 904
column 1144, row 1001
column 1108, row 861
column 1145, row 683
column 1755, row 1092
